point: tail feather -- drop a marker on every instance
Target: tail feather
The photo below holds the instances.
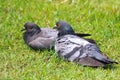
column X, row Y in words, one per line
column 112, row 61
column 109, row 61
column 91, row 41
column 106, row 60
column 82, row 34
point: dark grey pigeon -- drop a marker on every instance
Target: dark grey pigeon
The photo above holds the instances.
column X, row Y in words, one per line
column 75, row 49
column 40, row 38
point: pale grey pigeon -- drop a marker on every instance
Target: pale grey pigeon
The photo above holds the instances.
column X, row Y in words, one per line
column 76, row 49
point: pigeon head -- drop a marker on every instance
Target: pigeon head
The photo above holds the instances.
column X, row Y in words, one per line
column 64, row 28
column 31, row 27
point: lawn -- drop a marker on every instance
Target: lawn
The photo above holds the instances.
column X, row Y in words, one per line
column 101, row 18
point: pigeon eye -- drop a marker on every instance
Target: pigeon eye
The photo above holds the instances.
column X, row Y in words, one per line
column 56, row 24
column 31, row 27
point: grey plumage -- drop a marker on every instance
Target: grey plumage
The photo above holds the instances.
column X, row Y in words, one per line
column 75, row 49
column 39, row 38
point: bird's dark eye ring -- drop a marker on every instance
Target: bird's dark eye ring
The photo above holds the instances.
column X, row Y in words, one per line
column 31, row 27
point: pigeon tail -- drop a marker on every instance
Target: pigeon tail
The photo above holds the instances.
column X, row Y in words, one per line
column 82, row 34
column 109, row 61
column 91, row 41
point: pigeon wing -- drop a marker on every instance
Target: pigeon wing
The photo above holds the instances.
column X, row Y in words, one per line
column 68, row 46
column 42, row 43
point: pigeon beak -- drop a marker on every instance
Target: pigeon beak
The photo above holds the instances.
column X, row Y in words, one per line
column 23, row 29
column 55, row 27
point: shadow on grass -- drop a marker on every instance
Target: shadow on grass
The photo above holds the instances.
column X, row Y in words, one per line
column 110, row 67
column 107, row 67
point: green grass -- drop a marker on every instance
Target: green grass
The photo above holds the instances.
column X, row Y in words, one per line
column 101, row 18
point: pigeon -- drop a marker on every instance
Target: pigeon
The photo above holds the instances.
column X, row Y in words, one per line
column 72, row 48
column 40, row 38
